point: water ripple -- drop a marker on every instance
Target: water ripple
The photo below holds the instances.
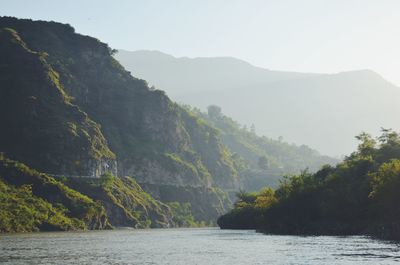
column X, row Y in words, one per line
column 191, row 246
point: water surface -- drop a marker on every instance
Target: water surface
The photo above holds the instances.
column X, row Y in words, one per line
column 191, row 247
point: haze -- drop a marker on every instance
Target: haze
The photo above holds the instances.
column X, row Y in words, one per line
column 304, row 36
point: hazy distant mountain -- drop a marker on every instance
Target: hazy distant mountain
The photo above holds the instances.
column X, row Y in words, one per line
column 323, row 111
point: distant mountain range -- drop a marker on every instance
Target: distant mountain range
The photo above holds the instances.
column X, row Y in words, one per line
column 324, row 111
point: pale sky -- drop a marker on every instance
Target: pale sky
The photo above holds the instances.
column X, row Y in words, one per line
column 297, row 35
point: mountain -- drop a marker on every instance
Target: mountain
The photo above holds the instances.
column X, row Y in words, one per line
column 219, row 73
column 68, row 108
column 75, row 123
column 302, row 108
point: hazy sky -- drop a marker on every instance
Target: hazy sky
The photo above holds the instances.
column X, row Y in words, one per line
column 297, row 35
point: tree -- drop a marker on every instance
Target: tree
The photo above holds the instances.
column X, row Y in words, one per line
column 265, row 198
column 214, row 111
column 367, row 144
column 386, row 185
column 245, row 196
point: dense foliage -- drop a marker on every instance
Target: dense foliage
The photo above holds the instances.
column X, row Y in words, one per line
column 31, row 201
column 21, row 211
column 358, row 196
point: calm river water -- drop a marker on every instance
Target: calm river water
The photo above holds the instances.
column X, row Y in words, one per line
column 206, row 246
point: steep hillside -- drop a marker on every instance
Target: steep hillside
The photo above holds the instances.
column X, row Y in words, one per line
column 260, row 160
column 125, row 202
column 114, row 118
column 40, row 125
column 31, row 201
column 302, row 108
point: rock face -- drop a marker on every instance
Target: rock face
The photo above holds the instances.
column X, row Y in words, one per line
column 101, row 116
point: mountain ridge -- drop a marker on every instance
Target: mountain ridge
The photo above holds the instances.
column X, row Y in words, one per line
column 293, row 105
column 155, row 53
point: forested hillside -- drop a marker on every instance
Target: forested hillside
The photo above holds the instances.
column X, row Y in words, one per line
column 260, row 160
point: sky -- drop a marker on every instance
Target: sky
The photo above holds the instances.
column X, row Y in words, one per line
column 326, row 36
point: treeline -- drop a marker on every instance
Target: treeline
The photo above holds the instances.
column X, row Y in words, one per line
column 358, row 196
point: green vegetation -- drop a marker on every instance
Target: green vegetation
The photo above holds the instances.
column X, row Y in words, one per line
column 31, row 201
column 358, row 196
column 125, row 202
column 21, row 211
column 182, row 215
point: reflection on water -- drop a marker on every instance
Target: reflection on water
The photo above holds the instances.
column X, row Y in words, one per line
column 191, row 246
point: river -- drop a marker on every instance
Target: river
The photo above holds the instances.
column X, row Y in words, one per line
column 206, row 246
